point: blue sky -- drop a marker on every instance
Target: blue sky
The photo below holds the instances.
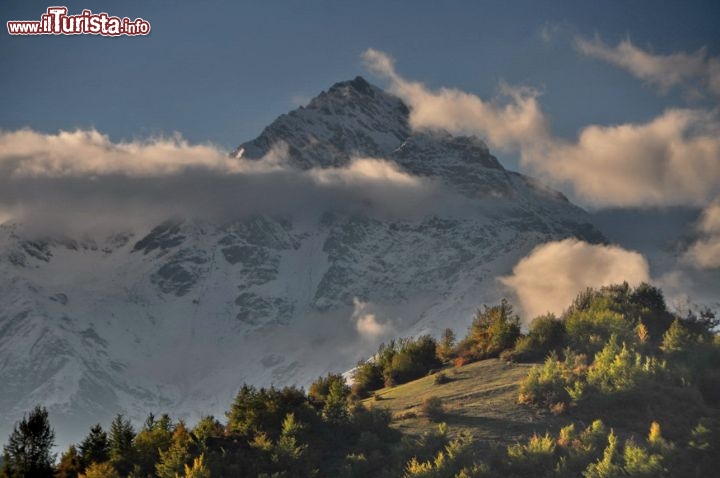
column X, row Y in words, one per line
column 221, row 72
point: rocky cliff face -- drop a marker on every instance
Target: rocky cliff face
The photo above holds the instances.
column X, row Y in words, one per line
column 178, row 316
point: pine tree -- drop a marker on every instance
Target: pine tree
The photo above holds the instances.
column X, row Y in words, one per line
column 173, row 460
column 289, row 453
column 122, row 452
column 208, row 427
column 95, row 448
column 335, row 409
column 28, row 452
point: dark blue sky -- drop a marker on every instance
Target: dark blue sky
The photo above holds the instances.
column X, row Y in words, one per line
column 222, row 71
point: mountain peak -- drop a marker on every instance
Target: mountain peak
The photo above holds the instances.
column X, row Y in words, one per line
column 346, row 94
column 351, row 118
column 354, row 118
column 359, row 85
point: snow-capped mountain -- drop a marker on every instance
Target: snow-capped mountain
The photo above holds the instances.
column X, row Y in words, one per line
column 178, row 316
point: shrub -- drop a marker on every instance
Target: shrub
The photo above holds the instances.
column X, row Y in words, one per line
column 100, row 470
column 617, row 369
column 450, row 461
column 639, row 463
column 535, row 458
column 546, row 384
column 198, row 469
column 367, row 377
column 607, row 466
column 432, row 408
column 525, row 350
column 460, row 361
column 546, row 334
column 441, row 378
column 678, row 338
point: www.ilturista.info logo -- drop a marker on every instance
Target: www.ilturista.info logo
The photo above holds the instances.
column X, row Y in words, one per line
column 57, row 22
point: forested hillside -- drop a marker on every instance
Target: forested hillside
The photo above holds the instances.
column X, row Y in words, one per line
column 618, row 385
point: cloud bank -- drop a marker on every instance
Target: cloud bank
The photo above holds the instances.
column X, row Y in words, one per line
column 79, row 179
column 673, row 159
column 552, row 275
column 27, row 153
column 694, row 71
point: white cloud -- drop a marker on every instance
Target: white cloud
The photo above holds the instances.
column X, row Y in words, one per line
column 705, row 252
column 551, row 276
column 366, row 170
column 664, row 71
column 366, row 323
column 504, row 125
column 673, row 159
column 85, row 153
column 82, row 177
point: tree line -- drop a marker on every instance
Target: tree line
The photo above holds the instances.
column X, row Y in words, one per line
column 615, row 352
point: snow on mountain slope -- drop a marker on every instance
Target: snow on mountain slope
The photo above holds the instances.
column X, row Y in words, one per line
column 177, row 317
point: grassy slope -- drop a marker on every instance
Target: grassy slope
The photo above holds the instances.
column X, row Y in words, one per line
column 481, row 398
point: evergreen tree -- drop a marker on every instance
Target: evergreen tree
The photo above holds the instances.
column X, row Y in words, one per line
column 264, row 409
column 335, row 409
column 289, row 453
column 122, row 452
column 173, row 460
column 208, row 427
column 95, row 448
column 155, row 437
column 28, row 451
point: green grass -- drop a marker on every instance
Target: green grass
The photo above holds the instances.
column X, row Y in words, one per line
column 479, row 398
